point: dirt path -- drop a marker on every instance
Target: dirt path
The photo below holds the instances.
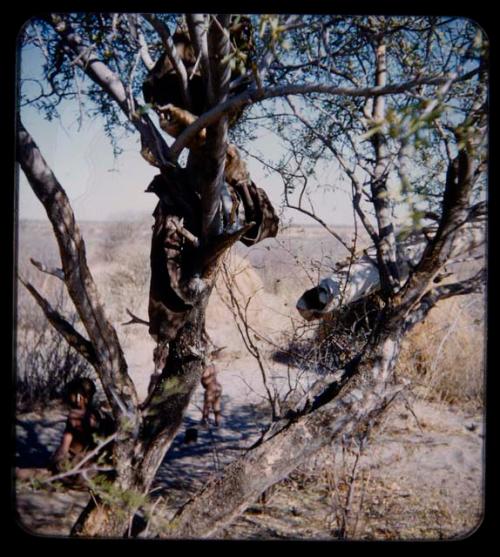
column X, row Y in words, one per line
column 413, row 480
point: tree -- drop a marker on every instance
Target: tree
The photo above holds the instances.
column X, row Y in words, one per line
column 366, row 95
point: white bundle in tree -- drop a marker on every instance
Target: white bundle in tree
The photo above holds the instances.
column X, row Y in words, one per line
column 351, row 282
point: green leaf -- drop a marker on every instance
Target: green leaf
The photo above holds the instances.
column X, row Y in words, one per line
column 372, row 131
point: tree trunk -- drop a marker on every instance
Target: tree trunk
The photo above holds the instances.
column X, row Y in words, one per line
column 386, row 245
column 161, row 420
column 182, row 277
column 369, row 388
column 114, row 519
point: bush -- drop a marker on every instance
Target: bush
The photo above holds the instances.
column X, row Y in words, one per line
column 444, row 355
column 45, row 363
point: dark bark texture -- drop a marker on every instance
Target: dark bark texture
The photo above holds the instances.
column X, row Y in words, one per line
column 336, row 407
column 202, row 210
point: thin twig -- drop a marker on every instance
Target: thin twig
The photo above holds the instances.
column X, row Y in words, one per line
column 352, row 480
column 135, row 320
column 74, row 472
column 412, row 412
column 130, row 94
column 77, row 469
column 151, row 513
column 241, row 316
column 54, row 271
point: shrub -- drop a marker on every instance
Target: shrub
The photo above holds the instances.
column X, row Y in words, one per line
column 45, row 363
column 444, row 355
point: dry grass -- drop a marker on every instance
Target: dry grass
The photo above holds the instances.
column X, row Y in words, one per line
column 444, row 355
column 45, row 362
column 403, row 484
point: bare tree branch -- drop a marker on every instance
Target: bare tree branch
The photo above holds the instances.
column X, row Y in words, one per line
column 173, row 55
column 319, row 220
column 253, row 95
column 110, row 362
column 82, row 345
column 240, row 316
column 103, row 76
column 56, row 272
column 198, row 27
column 222, row 243
column 79, row 467
column 450, row 233
column 471, row 285
column 216, row 143
column 138, row 35
column 135, row 320
column 357, row 194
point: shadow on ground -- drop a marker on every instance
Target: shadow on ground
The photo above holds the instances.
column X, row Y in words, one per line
column 36, row 440
column 189, row 465
column 185, row 466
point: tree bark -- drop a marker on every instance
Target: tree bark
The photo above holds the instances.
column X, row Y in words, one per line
column 359, row 279
column 368, row 391
column 161, row 420
column 386, row 241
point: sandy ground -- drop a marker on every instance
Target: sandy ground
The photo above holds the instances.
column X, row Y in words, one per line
column 420, row 475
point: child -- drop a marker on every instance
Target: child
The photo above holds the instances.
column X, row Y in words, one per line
column 83, row 423
column 213, row 392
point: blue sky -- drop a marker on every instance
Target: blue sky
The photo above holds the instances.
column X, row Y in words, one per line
column 101, row 187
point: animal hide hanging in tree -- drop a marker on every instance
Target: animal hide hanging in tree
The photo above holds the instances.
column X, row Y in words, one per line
column 257, row 209
column 177, row 258
column 173, row 256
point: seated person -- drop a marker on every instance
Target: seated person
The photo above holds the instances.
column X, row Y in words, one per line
column 84, row 422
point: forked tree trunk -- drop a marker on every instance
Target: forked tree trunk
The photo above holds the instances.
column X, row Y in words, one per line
column 363, row 390
column 353, row 396
column 161, row 420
